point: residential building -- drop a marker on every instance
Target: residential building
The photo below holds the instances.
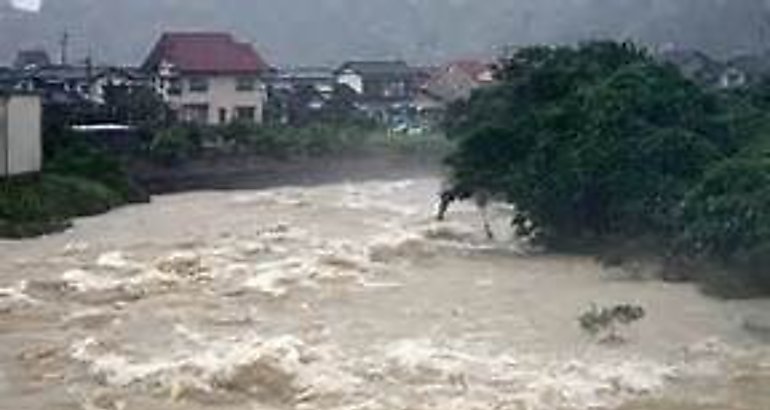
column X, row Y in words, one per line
column 745, row 69
column 300, row 95
column 103, row 80
column 70, row 84
column 20, row 133
column 709, row 72
column 30, row 59
column 384, row 89
column 457, row 80
column 452, row 82
column 322, row 79
column 208, row 77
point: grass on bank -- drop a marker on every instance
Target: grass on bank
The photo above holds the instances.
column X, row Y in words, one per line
column 77, row 180
column 81, row 180
column 38, row 204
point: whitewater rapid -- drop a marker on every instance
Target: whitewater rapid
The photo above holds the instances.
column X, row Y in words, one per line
column 348, row 297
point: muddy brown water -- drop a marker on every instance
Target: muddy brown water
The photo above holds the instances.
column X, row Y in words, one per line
column 349, row 296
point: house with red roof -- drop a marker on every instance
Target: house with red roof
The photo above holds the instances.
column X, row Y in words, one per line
column 457, row 80
column 209, row 77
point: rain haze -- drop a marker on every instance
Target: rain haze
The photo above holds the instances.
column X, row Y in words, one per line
column 385, row 204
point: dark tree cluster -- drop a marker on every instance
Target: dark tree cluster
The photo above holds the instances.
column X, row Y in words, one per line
column 602, row 141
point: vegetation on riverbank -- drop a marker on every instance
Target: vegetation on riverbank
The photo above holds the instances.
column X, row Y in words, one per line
column 181, row 143
column 77, row 180
column 80, row 178
column 601, row 143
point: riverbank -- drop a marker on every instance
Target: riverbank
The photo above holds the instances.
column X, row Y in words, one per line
column 35, row 205
column 81, row 180
column 259, row 172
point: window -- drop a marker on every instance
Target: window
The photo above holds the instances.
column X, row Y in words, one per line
column 394, row 89
column 174, row 87
column 223, row 115
column 199, row 85
column 246, row 84
column 245, row 113
column 197, row 113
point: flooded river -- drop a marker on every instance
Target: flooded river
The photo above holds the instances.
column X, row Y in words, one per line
column 349, row 296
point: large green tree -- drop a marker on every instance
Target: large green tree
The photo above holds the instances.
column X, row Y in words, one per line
column 589, row 141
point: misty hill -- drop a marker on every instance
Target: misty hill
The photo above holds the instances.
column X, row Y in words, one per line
column 327, row 31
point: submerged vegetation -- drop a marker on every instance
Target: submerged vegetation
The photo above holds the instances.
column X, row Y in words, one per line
column 601, row 143
column 604, row 323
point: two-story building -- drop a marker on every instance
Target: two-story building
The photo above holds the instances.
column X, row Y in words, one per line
column 384, row 89
column 208, row 78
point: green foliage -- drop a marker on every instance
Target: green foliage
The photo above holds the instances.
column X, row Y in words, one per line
column 36, row 205
column 727, row 216
column 593, row 141
column 141, row 107
column 181, row 143
column 75, row 157
column 601, row 142
column 604, row 322
column 172, row 145
column 77, row 180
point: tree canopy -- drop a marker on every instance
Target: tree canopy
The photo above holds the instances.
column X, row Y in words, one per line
column 602, row 140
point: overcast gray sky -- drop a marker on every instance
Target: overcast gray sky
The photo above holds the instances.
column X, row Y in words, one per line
column 328, row 31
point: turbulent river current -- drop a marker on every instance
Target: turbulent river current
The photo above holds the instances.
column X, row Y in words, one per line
column 349, row 296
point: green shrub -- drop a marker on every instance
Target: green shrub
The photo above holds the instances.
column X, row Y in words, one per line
column 727, row 217
column 36, row 205
column 175, row 144
column 77, row 180
column 181, row 143
column 77, row 158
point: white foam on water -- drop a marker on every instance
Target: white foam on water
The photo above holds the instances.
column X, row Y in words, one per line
column 76, row 248
column 277, row 278
column 86, row 281
column 378, row 196
column 397, row 245
column 533, row 383
column 184, row 264
column 278, row 197
column 281, row 369
column 117, row 260
column 83, row 280
column 368, row 284
column 602, row 384
column 89, row 316
column 14, row 298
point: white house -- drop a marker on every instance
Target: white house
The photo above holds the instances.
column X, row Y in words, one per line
column 20, row 133
column 209, row 77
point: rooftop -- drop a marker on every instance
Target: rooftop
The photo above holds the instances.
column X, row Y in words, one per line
column 32, row 58
column 473, row 68
column 206, row 52
column 378, row 68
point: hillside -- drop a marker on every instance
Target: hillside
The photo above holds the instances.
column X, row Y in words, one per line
column 326, row 31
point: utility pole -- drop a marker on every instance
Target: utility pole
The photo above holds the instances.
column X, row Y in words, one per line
column 64, row 44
